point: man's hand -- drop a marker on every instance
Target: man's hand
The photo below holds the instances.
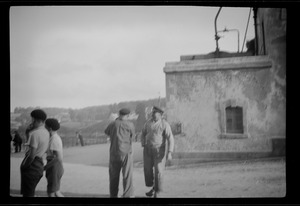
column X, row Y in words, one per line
column 26, row 163
column 28, row 159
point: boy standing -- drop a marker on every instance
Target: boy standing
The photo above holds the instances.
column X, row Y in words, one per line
column 54, row 168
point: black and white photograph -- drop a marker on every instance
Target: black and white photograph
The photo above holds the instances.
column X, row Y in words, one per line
column 139, row 101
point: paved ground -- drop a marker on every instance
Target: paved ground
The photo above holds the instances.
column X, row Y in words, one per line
column 86, row 175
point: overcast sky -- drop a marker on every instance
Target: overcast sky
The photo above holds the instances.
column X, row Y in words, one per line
column 80, row 56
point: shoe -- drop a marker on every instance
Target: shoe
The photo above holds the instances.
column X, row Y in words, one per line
column 150, row 193
column 157, row 195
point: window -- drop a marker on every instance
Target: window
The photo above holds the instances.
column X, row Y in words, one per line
column 234, row 120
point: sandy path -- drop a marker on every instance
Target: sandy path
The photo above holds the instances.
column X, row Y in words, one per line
column 86, row 173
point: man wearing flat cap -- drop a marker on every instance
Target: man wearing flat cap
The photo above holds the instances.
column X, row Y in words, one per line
column 32, row 166
column 158, row 142
column 121, row 133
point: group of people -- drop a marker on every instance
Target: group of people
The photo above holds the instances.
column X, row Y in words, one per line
column 158, row 143
column 42, row 138
column 156, row 139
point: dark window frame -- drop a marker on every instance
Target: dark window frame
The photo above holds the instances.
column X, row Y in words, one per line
column 234, row 115
column 233, row 103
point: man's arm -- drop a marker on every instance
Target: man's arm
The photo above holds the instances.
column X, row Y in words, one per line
column 170, row 138
column 132, row 131
column 143, row 135
column 29, row 158
column 107, row 130
column 57, row 157
column 33, row 144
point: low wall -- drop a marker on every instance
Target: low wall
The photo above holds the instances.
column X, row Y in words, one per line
column 186, row 158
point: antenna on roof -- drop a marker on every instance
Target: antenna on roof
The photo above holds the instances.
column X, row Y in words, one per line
column 216, row 32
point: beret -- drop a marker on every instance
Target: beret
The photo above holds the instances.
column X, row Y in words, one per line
column 52, row 123
column 156, row 109
column 124, row 111
column 39, row 114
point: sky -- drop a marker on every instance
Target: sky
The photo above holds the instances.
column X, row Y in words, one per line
column 81, row 56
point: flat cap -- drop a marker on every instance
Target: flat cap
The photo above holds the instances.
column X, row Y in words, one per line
column 124, row 111
column 52, row 123
column 157, row 109
column 38, row 114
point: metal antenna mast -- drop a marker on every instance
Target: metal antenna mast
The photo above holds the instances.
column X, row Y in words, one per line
column 216, row 32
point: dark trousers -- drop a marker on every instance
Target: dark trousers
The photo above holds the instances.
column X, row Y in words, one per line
column 54, row 175
column 18, row 147
column 116, row 163
column 31, row 176
column 81, row 141
column 154, row 165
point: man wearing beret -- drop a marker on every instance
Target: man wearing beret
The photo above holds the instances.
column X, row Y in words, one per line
column 155, row 133
column 32, row 166
column 121, row 132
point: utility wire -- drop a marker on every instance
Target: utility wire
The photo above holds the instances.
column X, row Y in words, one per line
column 246, row 30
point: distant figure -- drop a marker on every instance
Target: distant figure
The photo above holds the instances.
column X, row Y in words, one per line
column 54, row 167
column 121, row 133
column 11, row 139
column 17, row 142
column 32, row 166
column 79, row 138
column 158, row 142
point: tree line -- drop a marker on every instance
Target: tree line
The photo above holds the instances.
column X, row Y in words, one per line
column 93, row 113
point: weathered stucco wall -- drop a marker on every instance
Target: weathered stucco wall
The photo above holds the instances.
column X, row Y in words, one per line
column 197, row 89
column 273, row 22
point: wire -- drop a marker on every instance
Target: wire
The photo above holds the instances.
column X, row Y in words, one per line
column 246, row 30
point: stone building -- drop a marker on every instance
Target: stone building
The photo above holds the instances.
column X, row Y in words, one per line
column 232, row 102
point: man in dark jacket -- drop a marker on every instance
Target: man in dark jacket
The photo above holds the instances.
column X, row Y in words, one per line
column 17, row 142
column 121, row 132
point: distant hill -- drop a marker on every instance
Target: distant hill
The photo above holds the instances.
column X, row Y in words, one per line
column 90, row 120
column 97, row 127
column 92, row 113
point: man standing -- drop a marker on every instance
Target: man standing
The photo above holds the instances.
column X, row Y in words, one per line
column 121, row 132
column 80, row 138
column 17, row 142
column 155, row 133
column 32, row 166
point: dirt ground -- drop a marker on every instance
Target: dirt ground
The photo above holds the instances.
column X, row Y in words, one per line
column 86, row 175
